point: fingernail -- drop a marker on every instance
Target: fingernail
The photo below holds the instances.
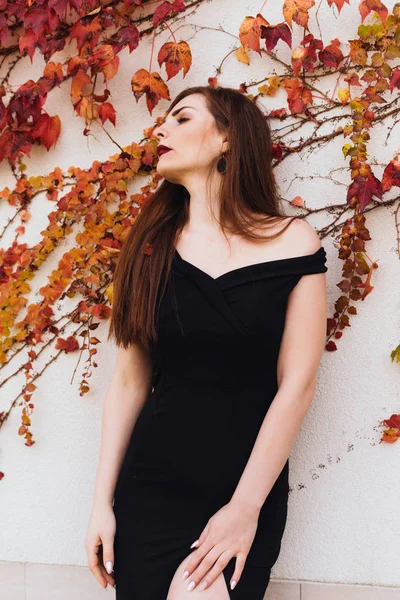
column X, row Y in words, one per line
column 194, row 544
column 186, row 573
column 233, row 583
column 109, row 567
column 204, row 584
column 191, row 586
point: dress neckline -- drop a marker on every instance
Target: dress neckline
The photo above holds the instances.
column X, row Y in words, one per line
column 276, row 261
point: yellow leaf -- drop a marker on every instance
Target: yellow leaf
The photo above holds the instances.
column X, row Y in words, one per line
column 343, row 94
column 346, row 149
column 110, row 293
column 242, row 55
column 35, row 182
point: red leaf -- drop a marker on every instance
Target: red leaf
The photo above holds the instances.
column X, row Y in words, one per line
column 68, row 345
column 394, row 421
column 167, row 9
column 277, row 113
column 298, row 96
column 47, row 129
column 127, row 36
column 37, row 18
column 86, row 34
column 107, row 111
column 101, row 311
column 391, row 175
column 273, row 33
column 27, row 42
column 363, row 188
column 395, row 80
column 331, row 55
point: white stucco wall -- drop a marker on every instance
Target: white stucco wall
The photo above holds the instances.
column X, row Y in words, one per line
column 343, row 524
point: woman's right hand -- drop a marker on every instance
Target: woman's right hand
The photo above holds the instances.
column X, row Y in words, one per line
column 99, row 542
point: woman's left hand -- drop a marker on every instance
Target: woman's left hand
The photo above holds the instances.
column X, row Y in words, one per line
column 229, row 532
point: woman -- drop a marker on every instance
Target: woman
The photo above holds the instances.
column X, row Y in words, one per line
column 219, row 314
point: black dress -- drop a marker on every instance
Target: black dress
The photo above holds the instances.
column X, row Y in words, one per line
column 215, row 377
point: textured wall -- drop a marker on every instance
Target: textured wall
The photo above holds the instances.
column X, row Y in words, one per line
column 342, row 524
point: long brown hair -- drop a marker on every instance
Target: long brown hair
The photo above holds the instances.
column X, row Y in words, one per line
column 248, row 199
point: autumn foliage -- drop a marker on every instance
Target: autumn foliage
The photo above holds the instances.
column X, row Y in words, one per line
column 81, row 42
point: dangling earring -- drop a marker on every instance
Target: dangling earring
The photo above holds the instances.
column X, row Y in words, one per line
column 222, row 164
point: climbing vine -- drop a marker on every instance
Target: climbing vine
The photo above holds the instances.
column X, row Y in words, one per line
column 94, row 209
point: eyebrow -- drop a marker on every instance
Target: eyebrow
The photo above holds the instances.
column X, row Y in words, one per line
column 178, row 110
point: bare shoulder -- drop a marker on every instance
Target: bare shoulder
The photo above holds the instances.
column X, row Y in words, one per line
column 302, row 237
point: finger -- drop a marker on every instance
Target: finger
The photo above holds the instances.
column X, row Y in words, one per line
column 93, row 563
column 196, row 558
column 108, row 558
column 204, row 567
column 109, row 577
column 216, row 570
column 202, row 537
column 239, row 566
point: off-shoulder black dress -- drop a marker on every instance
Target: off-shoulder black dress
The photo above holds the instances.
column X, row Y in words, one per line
column 215, row 378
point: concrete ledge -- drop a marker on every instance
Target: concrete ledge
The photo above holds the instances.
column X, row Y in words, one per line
column 31, row 581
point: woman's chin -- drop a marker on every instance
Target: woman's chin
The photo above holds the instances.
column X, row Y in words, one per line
column 171, row 174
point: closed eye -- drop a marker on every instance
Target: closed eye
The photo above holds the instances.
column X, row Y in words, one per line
column 182, row 119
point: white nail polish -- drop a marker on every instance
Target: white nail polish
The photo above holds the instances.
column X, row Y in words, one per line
column 109, row 567
column 233, row 583
column 191, row 586
column 194, row 544
column 186, row 573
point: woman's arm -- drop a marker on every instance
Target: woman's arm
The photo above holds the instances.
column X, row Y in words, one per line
column 127, row 392
column 300, row 353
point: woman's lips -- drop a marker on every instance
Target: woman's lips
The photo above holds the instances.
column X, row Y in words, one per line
column 163, row 151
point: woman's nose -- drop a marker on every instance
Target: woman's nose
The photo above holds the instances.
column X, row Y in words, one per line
column 159, row 131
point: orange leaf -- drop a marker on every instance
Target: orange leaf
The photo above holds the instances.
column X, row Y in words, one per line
column 250, row 32
column 78, row 82
column 390, row 435
column 366, row 6
column 338, row 3
column 298, row 96
column 297, row 201
column 176, row 56
column 110, row 69
column 54, row 72
column 150, row 84
column 297, row 10
column 358, row 54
